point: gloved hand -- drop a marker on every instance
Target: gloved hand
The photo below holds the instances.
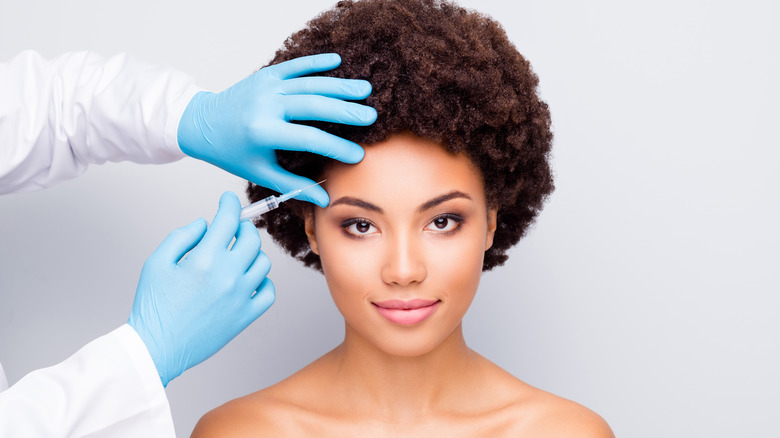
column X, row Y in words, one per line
column 240, row 128
column 187, row 308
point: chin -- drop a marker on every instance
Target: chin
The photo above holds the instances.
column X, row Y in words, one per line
column 409, row 342
column 409, row 349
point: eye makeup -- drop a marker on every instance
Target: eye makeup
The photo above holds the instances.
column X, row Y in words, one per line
column 362, row 227
column 445, row 219
column 445, row 224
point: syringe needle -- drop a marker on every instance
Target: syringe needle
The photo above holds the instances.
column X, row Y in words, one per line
column 294, row 193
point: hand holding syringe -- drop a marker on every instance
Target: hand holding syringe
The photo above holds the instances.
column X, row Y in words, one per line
column 263, row 206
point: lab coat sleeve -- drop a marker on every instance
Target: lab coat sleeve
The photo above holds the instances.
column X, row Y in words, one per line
column 109, row 388
column 58, row 116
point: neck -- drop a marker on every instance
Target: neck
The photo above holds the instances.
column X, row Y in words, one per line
column 402, row 388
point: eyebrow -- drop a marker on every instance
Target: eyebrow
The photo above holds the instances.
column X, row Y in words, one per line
column 443, row 198
column 349, row 200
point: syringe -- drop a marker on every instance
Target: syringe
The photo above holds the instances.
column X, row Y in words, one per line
column 263, row 206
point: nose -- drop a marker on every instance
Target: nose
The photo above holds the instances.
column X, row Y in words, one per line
column 404, row 262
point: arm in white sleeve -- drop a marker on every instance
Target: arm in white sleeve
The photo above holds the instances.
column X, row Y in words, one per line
column 109, row 388
column 58, row 116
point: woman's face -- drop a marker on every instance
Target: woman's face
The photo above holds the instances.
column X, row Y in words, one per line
column 402, row 242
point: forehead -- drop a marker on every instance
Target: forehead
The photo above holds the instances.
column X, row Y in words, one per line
column 405, row 169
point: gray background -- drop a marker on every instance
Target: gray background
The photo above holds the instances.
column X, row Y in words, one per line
column 648, row 290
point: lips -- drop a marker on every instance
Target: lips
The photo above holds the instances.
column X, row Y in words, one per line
column 406, row 312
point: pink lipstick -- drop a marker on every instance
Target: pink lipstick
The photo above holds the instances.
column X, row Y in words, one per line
column 406, row 312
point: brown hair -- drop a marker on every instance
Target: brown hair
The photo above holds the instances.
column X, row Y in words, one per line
column 440, row 72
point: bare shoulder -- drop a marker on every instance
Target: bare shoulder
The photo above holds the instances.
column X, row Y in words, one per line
column 558, row 417
column 530, row 411
column 257, row 415
column 279, row 410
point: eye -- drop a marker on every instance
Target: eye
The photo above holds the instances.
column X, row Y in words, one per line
column 359, row 227
column 445, row 224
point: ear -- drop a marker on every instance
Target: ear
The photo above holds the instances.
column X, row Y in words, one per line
column 309, row 227
column 491, row 227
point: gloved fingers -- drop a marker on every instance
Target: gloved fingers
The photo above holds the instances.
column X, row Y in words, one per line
column 180, row 241
column 327, row 109
column 247, row 244
column 225, row 224
column 285, row 181
column 293, row 137
column 304, row 65
column 351, row 89
column 257, row 272
column 263, row 298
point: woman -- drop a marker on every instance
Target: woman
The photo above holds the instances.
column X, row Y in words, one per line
column 456, row 169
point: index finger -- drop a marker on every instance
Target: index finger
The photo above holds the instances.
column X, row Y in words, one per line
column 305, row 65
column 225, row 224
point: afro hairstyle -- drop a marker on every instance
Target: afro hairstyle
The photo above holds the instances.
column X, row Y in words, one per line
column 443, row 73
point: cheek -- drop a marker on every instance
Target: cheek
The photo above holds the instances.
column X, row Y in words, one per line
column 457, row 265
column 347, row 269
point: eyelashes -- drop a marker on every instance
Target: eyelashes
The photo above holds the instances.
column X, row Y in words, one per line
column 444, row 224
column 358, row 227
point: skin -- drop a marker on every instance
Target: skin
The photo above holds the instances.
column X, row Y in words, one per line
column 410, row 221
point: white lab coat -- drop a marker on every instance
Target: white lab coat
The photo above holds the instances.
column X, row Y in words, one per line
column 109, row 388
column 56, row 117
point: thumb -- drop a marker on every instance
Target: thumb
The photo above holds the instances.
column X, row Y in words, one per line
column 180, row 241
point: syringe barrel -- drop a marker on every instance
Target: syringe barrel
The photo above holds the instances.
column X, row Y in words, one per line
column 260, row 207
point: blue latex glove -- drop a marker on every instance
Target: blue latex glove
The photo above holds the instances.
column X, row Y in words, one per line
column 187, row 308
column 240, row 128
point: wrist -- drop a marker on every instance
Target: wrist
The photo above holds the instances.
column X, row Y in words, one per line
column 189, row 134
column 151, row 349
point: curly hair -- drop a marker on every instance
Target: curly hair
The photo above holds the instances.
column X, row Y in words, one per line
column 443, row 73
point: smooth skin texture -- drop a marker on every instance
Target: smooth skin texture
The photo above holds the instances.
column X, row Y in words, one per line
column 410, row 221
